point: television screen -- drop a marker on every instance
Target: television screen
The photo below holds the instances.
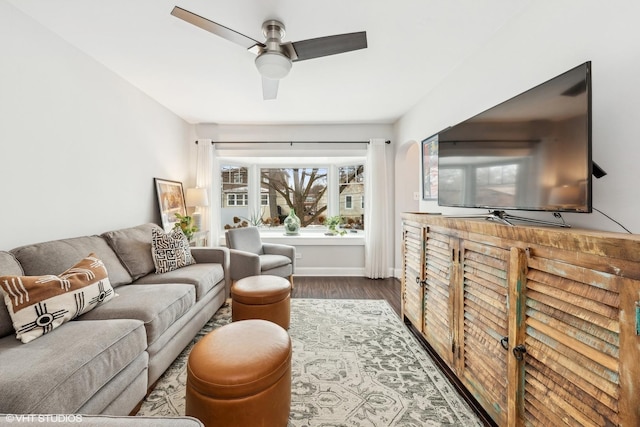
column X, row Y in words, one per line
column 532, row 152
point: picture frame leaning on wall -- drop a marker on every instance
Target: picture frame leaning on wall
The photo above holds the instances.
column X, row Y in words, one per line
column 170, row 202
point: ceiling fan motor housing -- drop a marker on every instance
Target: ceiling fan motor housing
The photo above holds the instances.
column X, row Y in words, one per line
column 273, row 61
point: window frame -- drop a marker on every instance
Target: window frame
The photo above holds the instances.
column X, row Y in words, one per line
column 332, row 164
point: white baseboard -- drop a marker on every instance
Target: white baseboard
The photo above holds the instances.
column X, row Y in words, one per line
column 339, row 271
column 329, row 271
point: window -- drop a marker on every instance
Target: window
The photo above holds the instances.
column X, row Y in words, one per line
column 351, row 187
column 262, row 194
column 237, row 199
column 301, row 189
column 233, row 175
column 235, row 195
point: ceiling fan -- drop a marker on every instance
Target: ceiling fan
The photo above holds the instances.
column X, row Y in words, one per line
column 275, row 57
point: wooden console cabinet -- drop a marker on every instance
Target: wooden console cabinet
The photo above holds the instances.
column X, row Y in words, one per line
column 541, row 325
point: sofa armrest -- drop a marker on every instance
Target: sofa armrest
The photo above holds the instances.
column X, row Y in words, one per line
column 217, row 255
column 280, row 249
column 244, row 264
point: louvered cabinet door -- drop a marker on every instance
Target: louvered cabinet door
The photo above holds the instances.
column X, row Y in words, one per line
column 482, row 359
column 413, row 274
column 438, row 292
column 572, row 338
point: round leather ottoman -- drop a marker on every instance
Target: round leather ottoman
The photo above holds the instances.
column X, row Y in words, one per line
column 239, row 375
column 262, row 297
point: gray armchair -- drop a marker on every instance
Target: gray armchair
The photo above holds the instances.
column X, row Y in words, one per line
column 251, row 257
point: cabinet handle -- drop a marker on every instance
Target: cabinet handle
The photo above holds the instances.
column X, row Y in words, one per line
column 519, row 351
column 504, row 342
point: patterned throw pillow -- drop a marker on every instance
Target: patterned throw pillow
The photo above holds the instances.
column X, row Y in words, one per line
column 170, row 251
column 39, row 304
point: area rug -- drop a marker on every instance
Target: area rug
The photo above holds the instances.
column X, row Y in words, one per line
column 354, row 363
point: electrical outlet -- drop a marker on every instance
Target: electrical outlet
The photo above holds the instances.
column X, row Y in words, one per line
column 416, row 195
column 298, row 255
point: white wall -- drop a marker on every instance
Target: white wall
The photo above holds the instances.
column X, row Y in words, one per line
column 79, row 146
column 547, row 39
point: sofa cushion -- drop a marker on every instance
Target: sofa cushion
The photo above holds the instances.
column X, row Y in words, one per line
column 40, row 304
column 268, row 262
column 170, row 250
column 56, row 256
column 59, row 372
column 203, row 276
column 9, row 266
column 133, row 248
column 158, row 306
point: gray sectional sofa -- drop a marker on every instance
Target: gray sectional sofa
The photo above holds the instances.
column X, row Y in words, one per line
column 105, row 361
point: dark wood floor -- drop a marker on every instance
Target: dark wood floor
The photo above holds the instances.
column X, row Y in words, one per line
column 348, row 288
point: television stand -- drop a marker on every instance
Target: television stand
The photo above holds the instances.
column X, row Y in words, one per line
column 505, row 218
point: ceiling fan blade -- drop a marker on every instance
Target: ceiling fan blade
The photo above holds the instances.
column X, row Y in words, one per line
column 269, row 88
column 330, row 45
column 215, row 28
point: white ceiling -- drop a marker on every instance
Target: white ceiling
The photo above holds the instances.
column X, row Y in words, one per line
column 412, row 46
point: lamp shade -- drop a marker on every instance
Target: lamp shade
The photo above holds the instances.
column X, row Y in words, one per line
column 273, row 65
column 196, row 197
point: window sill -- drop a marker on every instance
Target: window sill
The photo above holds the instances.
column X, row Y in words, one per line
column 313, row 238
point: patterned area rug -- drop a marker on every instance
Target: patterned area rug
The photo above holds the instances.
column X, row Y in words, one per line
column 354, row 364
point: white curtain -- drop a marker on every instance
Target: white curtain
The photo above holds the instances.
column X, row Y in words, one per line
column 376, row 214
column 204, row 179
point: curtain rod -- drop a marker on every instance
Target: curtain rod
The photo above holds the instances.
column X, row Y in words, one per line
column 293, row 142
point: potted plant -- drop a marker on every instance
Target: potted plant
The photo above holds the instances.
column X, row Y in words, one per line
column 332, row 223
column 186, row 225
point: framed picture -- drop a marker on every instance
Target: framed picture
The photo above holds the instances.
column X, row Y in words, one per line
column 170, row 201
column 430, row 168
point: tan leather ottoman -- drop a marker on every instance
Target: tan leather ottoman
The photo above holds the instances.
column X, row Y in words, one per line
column 262, row 297
column 239, row 375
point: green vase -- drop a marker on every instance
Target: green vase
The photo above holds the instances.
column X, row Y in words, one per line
column 292, row 224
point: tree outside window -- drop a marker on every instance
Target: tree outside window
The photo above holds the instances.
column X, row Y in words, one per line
column 301, row 189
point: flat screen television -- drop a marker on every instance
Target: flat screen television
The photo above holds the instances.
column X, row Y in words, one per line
column 532, row 152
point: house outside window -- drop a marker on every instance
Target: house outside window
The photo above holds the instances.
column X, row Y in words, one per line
column 351, row 187
column 235, row 196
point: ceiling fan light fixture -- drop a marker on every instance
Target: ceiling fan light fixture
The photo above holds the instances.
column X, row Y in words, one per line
column 273, row 65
